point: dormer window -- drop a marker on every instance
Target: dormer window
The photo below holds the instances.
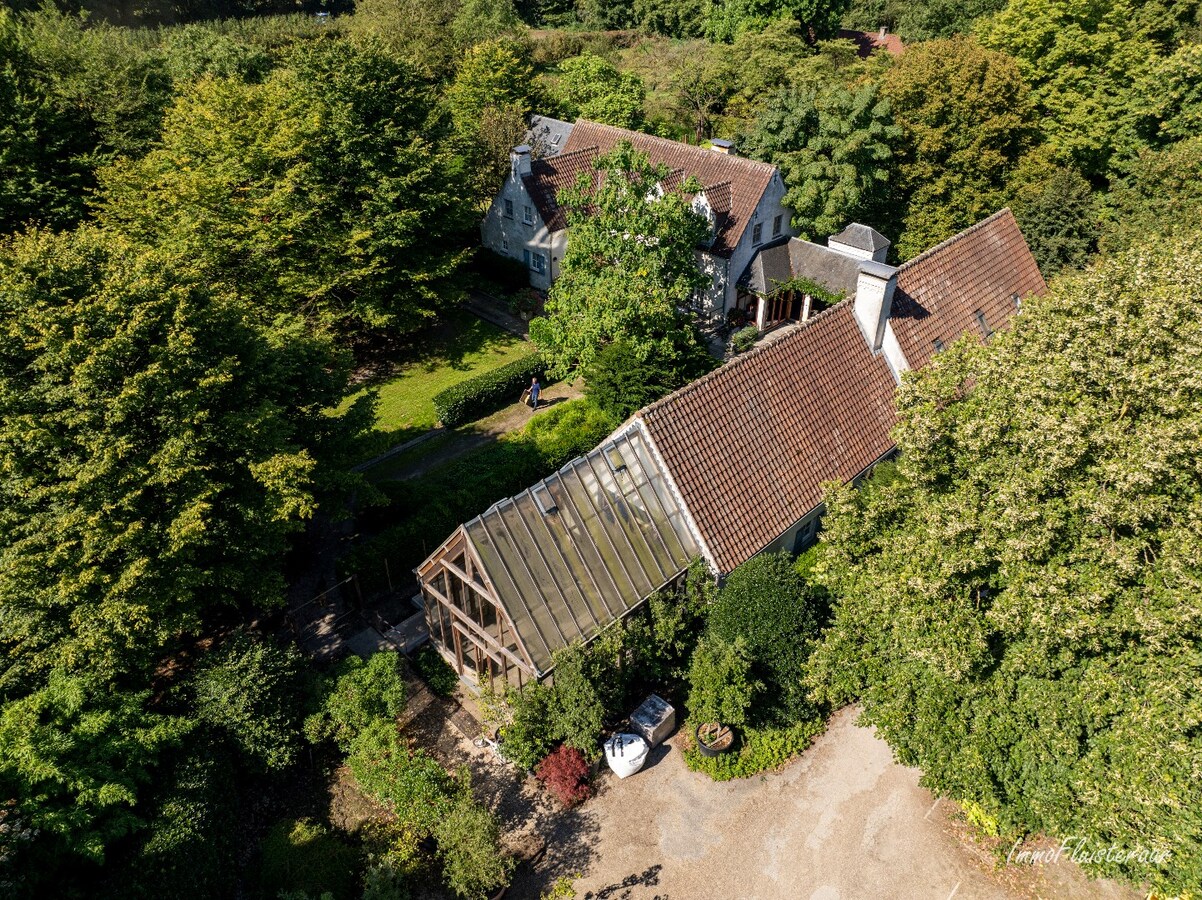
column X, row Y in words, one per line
column 701, row 206
column 938, row 345
column 1017, row 301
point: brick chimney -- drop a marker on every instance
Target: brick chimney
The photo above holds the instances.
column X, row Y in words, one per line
column 519, row 160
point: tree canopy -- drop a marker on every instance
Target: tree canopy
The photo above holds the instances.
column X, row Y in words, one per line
column 630, row 267
column 1016, row 608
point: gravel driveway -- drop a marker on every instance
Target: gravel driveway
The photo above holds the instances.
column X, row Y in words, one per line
column 843, row 822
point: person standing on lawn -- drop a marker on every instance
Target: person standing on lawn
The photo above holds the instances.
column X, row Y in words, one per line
column 535, row 390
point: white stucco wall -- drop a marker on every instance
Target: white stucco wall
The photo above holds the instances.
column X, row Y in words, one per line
column 770, row 206
column 497, row 229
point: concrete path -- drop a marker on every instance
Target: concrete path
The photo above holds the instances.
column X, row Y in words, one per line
column 844, row 822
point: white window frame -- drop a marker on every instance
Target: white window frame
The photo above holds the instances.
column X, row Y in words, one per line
column 757, row 233
column 527, row 214
column 776, row 225
column 508, row 213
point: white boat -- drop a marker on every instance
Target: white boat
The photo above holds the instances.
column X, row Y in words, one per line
column 626, row 753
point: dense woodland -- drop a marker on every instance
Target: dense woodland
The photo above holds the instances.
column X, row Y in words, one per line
column 212, row 211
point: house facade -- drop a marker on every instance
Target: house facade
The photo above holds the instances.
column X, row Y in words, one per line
column 743, row 198
column 730, row 466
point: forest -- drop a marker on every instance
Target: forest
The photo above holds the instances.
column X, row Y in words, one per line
column 212, row 212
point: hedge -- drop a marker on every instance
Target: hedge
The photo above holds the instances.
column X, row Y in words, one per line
column 489, row 391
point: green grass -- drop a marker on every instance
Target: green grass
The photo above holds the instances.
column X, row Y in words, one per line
column 460, row 347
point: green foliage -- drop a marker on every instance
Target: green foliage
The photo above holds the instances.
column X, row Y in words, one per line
column 577, row 708
column 966, row 120
column 250, row 690
column 766, row 603
column 589, row 87
column 720, row 684
column 158, row 449
column 659, row 639
column 305, row 856
column 413, row 784
column 356, row 696
column 1082, row 61
column 728, row 19
column 315, row 192
column 455, row 492
column 834, row 147
column 436, row 671
column 468, row 837
column 75, row 98
column 675, row 18
column 1057, row 212
column 757, row 750
column 484, row 393
column 74, row 756
column 1158, row 192
column 1016, row 610
column 921, row 21
column 631, row 264
column 621, row 382
column 528, row 736
column 1172, row 88
column 744, row 339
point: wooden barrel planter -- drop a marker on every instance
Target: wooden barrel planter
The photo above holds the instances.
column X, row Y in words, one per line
column 713, row 738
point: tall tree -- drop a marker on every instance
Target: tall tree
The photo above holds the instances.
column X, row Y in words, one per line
column 1017, row 609
column 318, row 191
column 965, row 120
column 834, row 148
column 1082, row 59
column 630, row 266
column 727, row 19
column 589, row 87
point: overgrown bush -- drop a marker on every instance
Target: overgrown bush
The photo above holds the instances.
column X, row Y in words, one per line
column 435, row 671
column 487, row 392
column 468, row 838
column 304, row 855
column 757, row 750
column 250, row 689
column 528, row 736
column 577, row 709
column 744, row 339
column 621, row 382
column 411, row 782
column 768, row 604
column 565, row 772
column 357, row 695
column 720, row 684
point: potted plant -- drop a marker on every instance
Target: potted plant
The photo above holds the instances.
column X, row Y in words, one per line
column 720, row 692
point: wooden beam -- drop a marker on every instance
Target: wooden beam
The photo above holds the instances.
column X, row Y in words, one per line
column 475, row 629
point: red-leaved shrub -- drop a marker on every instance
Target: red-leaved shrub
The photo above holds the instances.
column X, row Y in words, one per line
column 565, row 772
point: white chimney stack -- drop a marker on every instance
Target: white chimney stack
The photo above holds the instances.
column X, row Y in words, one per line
column 519, row 159
column 874, row 300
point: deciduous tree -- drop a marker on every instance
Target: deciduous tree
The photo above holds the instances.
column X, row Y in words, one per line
column 589, row 87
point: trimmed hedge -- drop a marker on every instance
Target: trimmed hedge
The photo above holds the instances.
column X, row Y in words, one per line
column 487, row 392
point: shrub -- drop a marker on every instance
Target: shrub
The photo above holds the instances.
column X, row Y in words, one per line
column 411, row 782
column 720, row 685
column 620, row 382
column 436, row 671
column 250, row 689
column 528, row 736
column 303, row 855
column 744, row 339
column 766, row 602
column 566, row 774
column 758, row 750
column 356, row 696
column 577, row 710
column 468, row 838
column 484, row 393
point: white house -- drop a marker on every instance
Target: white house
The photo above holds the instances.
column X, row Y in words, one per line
column 743, row 198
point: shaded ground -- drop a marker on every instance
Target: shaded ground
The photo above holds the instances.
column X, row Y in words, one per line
column 843, row 822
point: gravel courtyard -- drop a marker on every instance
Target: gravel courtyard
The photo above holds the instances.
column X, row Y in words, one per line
column 843, row 822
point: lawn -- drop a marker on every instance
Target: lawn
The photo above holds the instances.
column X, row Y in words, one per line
column 458, row 348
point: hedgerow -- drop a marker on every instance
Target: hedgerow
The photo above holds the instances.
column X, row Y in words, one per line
column 488, row 391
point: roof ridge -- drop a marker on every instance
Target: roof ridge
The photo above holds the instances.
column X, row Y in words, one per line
column 741, row 359
column 971, row 229
column 734, row 157
column 546, row 160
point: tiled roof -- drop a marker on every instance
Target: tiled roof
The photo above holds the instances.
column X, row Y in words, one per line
column 862, row 237
column 940, row 291
column 547, row 136
column 743, row 180
column 867, row 41
column 750, row 445
column 795, row 258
